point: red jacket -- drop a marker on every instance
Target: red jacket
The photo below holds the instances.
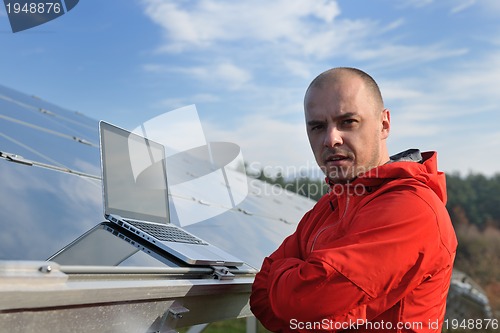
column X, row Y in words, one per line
column 374, row 255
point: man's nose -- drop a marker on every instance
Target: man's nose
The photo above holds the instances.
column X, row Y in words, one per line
column 333, row 137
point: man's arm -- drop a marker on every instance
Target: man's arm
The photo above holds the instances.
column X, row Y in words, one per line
column 391, row 247
column 259, row 299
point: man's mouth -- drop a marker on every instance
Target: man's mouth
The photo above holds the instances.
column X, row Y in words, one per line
column 335, row 158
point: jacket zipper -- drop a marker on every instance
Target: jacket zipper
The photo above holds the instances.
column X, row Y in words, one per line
column 329, row 226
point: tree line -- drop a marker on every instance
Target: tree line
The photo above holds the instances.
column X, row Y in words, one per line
column 474, row 200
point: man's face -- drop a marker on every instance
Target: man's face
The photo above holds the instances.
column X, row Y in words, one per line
column 346, row 129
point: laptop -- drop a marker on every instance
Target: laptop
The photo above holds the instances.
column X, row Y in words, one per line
column 96, row 247
column 135, row 194
column 105, row 245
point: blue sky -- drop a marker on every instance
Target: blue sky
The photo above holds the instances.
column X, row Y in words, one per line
column 246, row 65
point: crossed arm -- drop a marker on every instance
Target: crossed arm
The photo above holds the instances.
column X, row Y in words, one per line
column 381, row 259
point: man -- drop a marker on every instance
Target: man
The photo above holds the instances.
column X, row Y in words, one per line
column 376, row 252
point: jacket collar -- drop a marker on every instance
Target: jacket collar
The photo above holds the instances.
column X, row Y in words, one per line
column 408, row 164
column 371, row 177
column 410, row 155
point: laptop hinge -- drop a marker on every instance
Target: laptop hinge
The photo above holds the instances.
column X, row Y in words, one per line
column 222, row 273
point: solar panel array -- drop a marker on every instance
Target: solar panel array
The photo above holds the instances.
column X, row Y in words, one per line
column 51, row 189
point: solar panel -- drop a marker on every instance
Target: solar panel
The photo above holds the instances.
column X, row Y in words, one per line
column 47, row 205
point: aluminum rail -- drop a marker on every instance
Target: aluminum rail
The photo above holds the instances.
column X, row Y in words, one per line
column 46, row 297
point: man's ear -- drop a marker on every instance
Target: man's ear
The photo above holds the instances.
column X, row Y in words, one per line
column 385, row 117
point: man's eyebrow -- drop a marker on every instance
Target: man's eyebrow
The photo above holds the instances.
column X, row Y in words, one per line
column 347, row 115
column 315, row 122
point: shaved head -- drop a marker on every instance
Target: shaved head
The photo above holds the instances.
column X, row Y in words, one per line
column 338, row 74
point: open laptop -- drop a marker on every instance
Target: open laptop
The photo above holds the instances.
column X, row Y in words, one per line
column 105, row 245
column 135, row 193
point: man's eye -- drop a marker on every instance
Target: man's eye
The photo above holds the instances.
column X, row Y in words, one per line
column 317, row 127
column 349, row 122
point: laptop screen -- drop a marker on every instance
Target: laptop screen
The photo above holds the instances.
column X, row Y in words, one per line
column 133, row 175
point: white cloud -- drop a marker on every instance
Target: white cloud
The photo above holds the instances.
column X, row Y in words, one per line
column 463, row 6
column 298, row 68
column 488, row 7
column 390, row 55
column 468, row 87
column 456, row 6
column 417, row 3
column 222, row 72
column 210, row 21
column 205, row 98
column 401, row 90
column 491, row 6
column 453, row 110
column 393, row 25
column 227, row 73
column 175, row 103
column 466, row 153
column 284, row 27
column 155, row 68
column 267, row 142
column 475, row 81
column 282, row 36
column 234, row 76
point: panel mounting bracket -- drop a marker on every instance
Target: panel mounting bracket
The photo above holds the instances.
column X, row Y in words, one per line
column 222, row 273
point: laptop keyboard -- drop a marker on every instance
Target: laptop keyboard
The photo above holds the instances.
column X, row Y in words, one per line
column 167, row 233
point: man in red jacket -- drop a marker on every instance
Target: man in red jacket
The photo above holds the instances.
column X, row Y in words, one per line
column 376, row 252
